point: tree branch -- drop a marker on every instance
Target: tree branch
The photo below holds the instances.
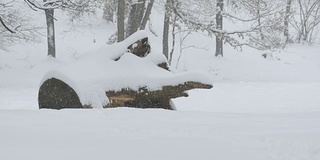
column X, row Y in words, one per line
column 6, row 27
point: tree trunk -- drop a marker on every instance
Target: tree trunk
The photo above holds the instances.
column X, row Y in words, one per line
column 219, row 23
column 173, row 39
column 286, row 20
column 135, row 17
column 140, row 14
column 50, row 32
column 146, row 15
column 165, row 39
column 120, row 20
column 259, row 20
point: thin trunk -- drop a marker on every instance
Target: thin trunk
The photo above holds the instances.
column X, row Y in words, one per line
column 50, row 32
column 146, row 15
column 131, row 18
column 219, row 36
column 302, row 19
column 120, row 20
column 259, row 20
column 173, row 39
column 165, row 40
column 140, row 14
column 286, row 20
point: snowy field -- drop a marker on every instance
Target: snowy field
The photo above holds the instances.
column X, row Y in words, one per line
column 258, row 109
column 157, row 134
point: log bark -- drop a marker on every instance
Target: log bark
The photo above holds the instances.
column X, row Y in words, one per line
column 56, row 94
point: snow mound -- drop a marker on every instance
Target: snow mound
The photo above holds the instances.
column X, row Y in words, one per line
column 96, row 72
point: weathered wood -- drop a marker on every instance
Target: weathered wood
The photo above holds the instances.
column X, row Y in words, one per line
column 164, row 65
column 144, row 98
column 141, row 48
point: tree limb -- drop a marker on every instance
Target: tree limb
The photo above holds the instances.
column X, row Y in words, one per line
column 6, row 27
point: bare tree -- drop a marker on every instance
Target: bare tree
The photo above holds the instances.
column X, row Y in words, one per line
column 135, row 16
column 137, row 19
column 219, row 26
column 309, row 18
column 166, row 24
column 49, row 6
column 286, row 20
column 120, row 20
column 15, row 26
column 146, row 15
column 266, row 16
column 109, row 9
column 139, row 15
column 263, row 22
column 50, row 31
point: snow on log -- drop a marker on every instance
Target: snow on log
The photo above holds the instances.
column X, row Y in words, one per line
column 126, row 74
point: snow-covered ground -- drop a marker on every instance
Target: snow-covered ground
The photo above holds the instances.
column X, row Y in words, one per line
column 157, row 134
column 259, row 108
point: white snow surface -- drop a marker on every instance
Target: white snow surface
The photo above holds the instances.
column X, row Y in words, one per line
column 258, row 109
column 157, row 134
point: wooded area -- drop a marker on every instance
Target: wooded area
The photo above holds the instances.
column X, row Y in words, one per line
column 266, row 25
column 272, row 24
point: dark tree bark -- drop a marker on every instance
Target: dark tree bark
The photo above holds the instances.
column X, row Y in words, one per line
column 219, row 23
column 140, row 14
column 135, row 17
column 50, row 32
column 146, row 15
column 120, row 21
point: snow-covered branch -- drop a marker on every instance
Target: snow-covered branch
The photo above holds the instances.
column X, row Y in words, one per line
column 15, row 26
column 54, row 4
column 262, row 25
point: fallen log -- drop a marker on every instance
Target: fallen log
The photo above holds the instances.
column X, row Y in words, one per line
column 55, row 94
column 144, row 98
column 129, row 77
